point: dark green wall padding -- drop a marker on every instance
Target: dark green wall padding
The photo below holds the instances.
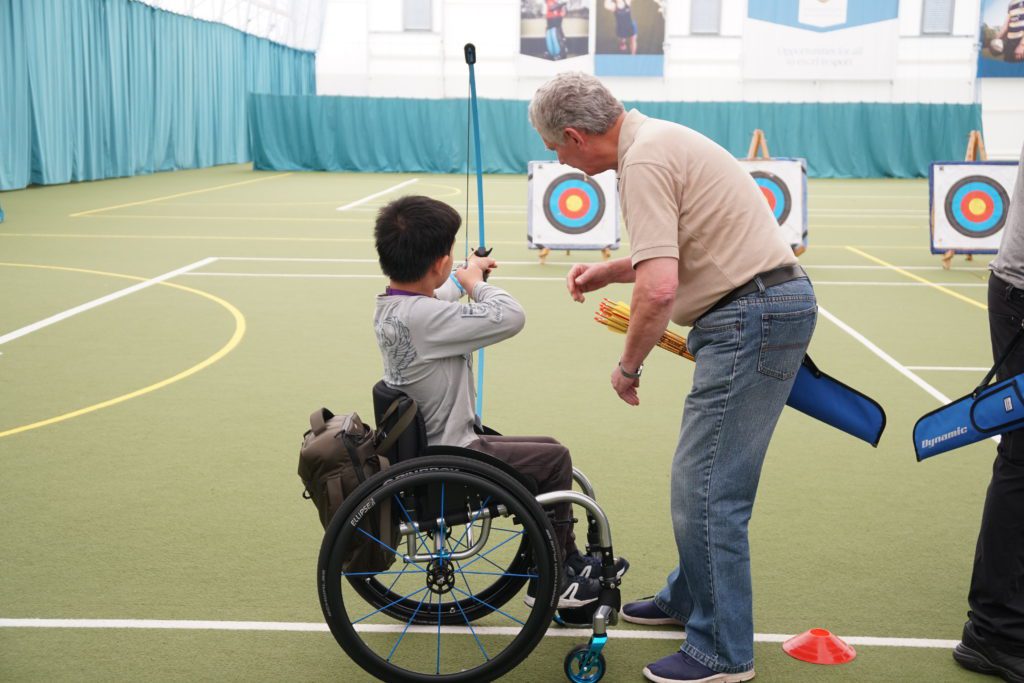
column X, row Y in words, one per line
column 839, row 140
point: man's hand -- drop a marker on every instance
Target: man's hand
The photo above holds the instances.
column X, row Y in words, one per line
column 625, row 387
column 586, row 277
column 1018, row 54
column 473, row 273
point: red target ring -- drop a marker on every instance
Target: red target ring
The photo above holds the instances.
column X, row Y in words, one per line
column 770, row 196
column 574, row 203
column 977, row 205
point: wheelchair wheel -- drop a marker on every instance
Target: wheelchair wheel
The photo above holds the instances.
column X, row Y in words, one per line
column 472, row 536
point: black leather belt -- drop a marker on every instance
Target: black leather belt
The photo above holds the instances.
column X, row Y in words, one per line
column 761, row 281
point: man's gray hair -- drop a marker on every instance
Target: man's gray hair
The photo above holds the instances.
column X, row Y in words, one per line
column 573, row 99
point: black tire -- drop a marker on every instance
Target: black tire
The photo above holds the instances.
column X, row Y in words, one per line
column 446, row 656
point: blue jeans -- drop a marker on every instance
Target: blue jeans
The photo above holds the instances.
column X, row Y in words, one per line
column 748, row 353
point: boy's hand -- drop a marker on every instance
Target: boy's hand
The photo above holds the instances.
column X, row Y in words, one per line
column 470, row 275
column 485, row 263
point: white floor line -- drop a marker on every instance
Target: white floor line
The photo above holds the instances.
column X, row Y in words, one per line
column 499, row 277
column 946, row 368
column 292, row 626
column 565, row 264
column 377, row 194
column 900, row 368
column 875, row 283
column 28, row 329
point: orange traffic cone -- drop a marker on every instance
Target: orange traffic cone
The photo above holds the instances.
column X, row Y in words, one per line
column 819, row 646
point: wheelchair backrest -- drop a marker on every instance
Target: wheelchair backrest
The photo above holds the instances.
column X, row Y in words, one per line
column 413, row 440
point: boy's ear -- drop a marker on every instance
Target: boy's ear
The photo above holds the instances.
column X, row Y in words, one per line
column 439, row 265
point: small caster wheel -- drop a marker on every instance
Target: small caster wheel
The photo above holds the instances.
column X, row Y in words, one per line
column 583, row 666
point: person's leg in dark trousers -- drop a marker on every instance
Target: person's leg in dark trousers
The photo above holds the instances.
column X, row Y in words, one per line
column 996, row 597
column 548, row 463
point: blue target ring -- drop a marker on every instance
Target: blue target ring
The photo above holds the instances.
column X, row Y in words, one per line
column 976, row 206
column 573, row 203
column 776, row 192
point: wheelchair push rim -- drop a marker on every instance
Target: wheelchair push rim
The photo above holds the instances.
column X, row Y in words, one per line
column 455, row 645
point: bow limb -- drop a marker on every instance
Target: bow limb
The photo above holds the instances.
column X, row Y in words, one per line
column 481, row 250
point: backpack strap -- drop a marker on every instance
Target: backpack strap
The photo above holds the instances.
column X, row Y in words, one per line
column 318, row 420
column 401, row 424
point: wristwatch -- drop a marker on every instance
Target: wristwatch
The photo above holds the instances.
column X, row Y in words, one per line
column 631, row 375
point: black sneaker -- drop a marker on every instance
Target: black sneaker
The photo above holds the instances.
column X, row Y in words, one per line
column 576, row 591
column 976, row 654
column 588, row 566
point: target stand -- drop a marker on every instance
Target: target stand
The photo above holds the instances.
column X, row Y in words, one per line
column 783, row 182
column 968, row 203
column 570, row 210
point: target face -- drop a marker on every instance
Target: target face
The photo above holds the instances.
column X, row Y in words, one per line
column 976, row 206
column 776, row 192
column 573, row 203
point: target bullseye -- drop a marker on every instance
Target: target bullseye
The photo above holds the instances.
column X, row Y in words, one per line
column 573, row 203
column 976, row 206
column 775, row 192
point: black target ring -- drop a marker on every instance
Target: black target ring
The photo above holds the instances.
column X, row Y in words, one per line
column 573, row 203
column 776, row 192
column 976, row 206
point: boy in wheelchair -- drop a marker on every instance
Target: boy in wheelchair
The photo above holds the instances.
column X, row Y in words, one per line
column 427, row 337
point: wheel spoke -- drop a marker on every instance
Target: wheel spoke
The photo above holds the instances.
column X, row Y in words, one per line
column 466, row 619
column 406, row 629
column 489, row 606
column 390, row 604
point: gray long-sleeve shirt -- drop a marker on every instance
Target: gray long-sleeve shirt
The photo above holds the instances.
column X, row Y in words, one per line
column 427, row 345
column 1009, row 262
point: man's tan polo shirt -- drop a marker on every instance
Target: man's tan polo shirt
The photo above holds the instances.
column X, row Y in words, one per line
column 685, row 197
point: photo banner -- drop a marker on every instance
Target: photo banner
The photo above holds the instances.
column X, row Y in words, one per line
column 629, row 38
column 554, row 30
column 820, row 39
column 1002, row 39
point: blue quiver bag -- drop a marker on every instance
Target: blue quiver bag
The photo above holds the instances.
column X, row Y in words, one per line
column 983, row 413
column 979, row 415
column 827, row 399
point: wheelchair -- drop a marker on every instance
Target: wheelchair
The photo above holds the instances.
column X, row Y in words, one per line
column 468, row 535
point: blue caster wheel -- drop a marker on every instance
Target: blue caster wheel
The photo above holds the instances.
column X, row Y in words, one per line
column 584, row 666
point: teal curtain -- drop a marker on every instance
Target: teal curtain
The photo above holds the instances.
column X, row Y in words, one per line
column 95, row 89
column 839, row 140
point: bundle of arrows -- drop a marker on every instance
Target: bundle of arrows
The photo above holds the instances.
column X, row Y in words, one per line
column 615, row 316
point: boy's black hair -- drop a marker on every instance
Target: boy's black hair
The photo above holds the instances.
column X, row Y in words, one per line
column 411, row 233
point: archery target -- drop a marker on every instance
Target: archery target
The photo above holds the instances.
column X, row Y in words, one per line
column 969, row 204
column 776, row 192
column 783, row 182
column 570, row 210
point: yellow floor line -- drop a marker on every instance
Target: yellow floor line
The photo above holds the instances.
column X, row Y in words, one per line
column 944, row 290
column 180, row 194
column 220, row 353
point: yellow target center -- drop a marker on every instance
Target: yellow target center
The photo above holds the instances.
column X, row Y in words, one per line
column 976, row 206
column 574, row 203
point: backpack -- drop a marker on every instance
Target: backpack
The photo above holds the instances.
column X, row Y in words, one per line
column 338, row 453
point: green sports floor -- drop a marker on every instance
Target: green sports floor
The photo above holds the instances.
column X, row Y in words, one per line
column 163, row 339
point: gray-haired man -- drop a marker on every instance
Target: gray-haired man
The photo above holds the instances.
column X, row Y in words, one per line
column 705, row 251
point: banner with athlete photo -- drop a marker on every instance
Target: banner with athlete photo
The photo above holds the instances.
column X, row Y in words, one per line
column 567, row 209
column 1001, row 54
column 820, row 39
column 968, row 204
column 629, row 38
column 554, row 29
